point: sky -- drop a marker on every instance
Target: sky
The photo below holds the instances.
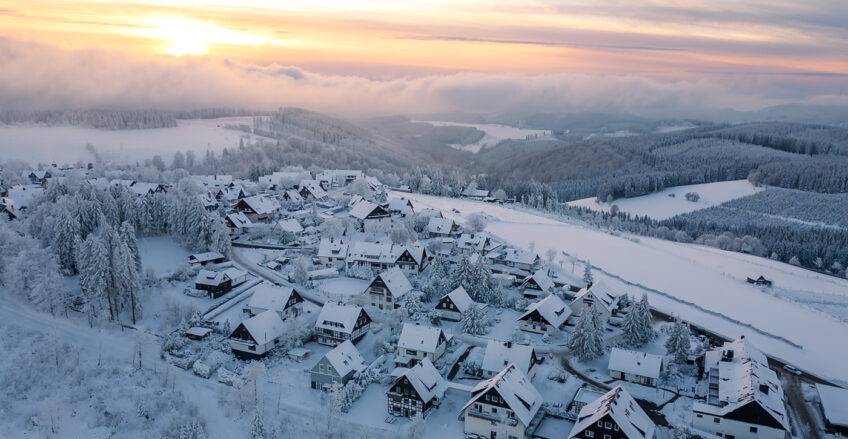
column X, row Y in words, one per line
column 383, row 57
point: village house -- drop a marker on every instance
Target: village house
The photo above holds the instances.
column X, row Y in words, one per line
column 442, row 227
column 332, row 251
column 338, row 177
column 375, row 256
column 400, row 206
column 474, row 243
column 256, row 336
column 7, row 208
column 513, row 261
column 214, row 181
column 834, row 402
column 416, row 390
column 744, row 399
column 418, row 342
column 614, row 415
column 537, row 285
column 598, row 295
column 280, row 180
column 452, row 305
column 475, row 194
column 311, row 190
column 337, row 323
column 22, row 196
column 636, row 367
column 292, row 196
column 286, row 301
column 387, row 289
column 337, row 366
column 238, row 223
column 258, row 208
column 503, row 406
column 219, row 283
column 209, row 202
column 545, row 316
column 290, row 225
column 206, row 258
column 231, row 194
column 36, row 176
column 370, row 215
column 500, row 354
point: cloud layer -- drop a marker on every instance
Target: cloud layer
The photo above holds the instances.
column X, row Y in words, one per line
column 39, row 76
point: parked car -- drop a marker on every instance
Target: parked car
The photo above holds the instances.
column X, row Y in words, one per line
column 793, row 370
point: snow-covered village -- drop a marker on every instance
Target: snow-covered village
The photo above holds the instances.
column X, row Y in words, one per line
column 464, row 219
column 329, row 304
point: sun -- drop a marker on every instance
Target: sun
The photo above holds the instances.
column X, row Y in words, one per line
column 183, row 36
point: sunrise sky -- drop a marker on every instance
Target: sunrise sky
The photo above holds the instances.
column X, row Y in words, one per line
column 768, row 51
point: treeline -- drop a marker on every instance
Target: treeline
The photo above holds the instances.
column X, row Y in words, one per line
column 818, row 174
column 824, row 209
column 797, row 138
column 99, row 119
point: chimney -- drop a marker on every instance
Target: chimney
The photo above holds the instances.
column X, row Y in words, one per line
column 509, row 344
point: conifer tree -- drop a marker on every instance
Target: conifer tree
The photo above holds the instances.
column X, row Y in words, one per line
column 587, row 274
column 678, row 343
column 586, row 341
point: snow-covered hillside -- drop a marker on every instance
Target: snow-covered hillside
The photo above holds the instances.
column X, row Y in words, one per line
column 672, row 201
column 703, row 285
column 494, row 134
column 66, row 144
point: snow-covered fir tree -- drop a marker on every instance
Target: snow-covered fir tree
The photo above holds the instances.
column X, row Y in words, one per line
column 678, row 342
column 586, row 342
column 637, row 323
column 67, row 242
column 473, row 320
column 587, row 274
column 257, row 426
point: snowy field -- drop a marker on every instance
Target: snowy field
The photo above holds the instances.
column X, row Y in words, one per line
column 66, row 144
column 161, row 254
column 662, row 205
column 494, row 134
column 703, row 285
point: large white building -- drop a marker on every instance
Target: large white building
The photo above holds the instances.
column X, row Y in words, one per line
column 744, row 399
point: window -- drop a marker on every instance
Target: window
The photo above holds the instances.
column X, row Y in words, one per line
column 607, row 425
column 615, row 427
column 494, row 409
column 717, row 420
column 607, row 436
column 600, row 424
column 251, row 347
column 753, row 429
column 698, row 415
column 590, row 433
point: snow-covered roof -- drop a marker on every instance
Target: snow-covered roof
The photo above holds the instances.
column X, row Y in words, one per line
column 743, row 377
column 460, row 299
column 472, row 241
column 205, row 257
column 622, row 408
column 383, row 253
column 426, row 380
column 586, row 395
column 239, row 220
column 344, row 315
column 99, row 183
column 261, row 204
column 551, row 308
column 402, row 205
column 475, row 193
column 293, row 195
column 214, row 180
column 267, row 296
column 24, row 194
column 331, row 248
column 515, row 389
column 141, row 188
column 542, row 280
column 396, row 282
column 835, row 404
column 430, row 212
column 602, row 293
column 234, row 273
column 209, row 277
column 345, row 358
column 635, row 362
column 208, row 200
column 440, row 225
column 314, row 188
column 233, row 193
column 363, row 209
column 290, row 225
column 517, row 256
column 500, row 354
column 265, row 326
column 419, row 337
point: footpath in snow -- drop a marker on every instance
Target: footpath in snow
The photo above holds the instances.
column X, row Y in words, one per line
column 703, row 285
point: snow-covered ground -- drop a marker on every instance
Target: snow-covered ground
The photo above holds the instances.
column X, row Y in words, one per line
column 662, row 205
column 703, row 285
column 161, row 254
column 66, row 144
column 494, row 134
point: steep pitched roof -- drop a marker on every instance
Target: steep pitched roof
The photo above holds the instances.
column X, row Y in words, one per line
column 330, row 248
column 264, row 326
column 268, row 296
column 345, row 315
column 261, row 204
column 396, row 282
column 542, row 280
column 622, row 408
column 516, row 390
column 426, row 380
column 602, row 292
column 239, row 220
column 209, row 277
column 419, row 337
column 345, row 358
column 290, row 225
column 440, row 225
column 500, row 354
column 460, row 299
column 635, row 362
column 551, row 308
column 365, row 208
